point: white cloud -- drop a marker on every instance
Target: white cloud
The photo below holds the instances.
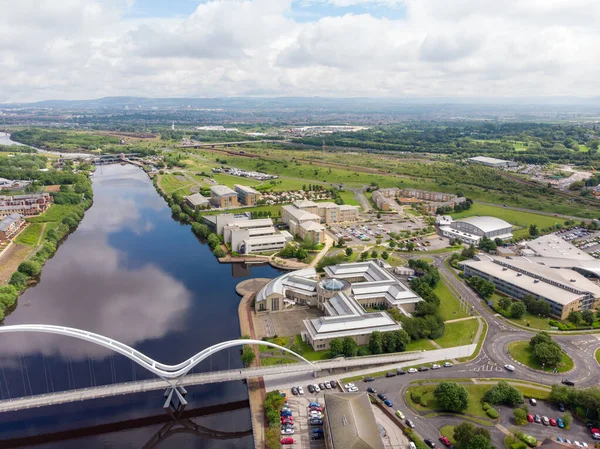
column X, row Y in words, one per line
column 82, row 49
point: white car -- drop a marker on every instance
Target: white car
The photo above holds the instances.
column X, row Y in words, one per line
column 350, row 387
column 509, row 368
column 447, row 365
column 412, row 370
column 287, row 431
column 300, row 391
column 435, row 366
column 353, row 389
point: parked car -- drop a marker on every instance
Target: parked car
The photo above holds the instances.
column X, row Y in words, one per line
column 390, row 374
column 287, row 440
column 447, row 364
column 327, row 385
column 509, row 368
column 317, row 436
column 294, row 391
column 584, row 444
column 388, row 403
column 333, row 383
column 322, row 386
column 368, row 379
column 545, row 420
column 314, row 404
column 409, row 423
column 287, row 431
column 552, row 422
column 423, row 368
column 429, row 443
column 561, row 407
column 445, row 441
column 560, row 423
column 412, row 370
column 371, row 390
column 567, row 441
column 381, row 396
column 435, row 366
column 577, row 443
column 568, row 382
column 400, row 371
column 311, row 389
column 317, row 430
column 399, row 414
column 316, row 422
column 317, row 388
column 530, row 418
column 560, row 440
column 286, row 413
column 537, row 419
column 594, row 430
column 300, row 391
column 532, row 402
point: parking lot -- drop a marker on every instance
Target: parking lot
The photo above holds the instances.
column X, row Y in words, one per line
column 588, row 241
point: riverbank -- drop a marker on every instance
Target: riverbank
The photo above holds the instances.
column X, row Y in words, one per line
column 256, row 386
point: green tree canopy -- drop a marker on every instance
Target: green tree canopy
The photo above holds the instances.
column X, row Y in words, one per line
column 451, row 396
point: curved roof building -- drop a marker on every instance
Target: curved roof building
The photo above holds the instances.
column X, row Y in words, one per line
column 472, row 229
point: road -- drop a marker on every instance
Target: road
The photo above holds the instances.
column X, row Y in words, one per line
column 362, row 199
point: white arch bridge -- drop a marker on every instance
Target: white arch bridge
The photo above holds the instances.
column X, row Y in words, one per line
column 177, row 375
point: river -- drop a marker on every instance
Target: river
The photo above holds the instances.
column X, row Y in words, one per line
column 132, row 273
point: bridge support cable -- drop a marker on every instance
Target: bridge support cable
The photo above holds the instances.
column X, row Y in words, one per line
column 4, row 376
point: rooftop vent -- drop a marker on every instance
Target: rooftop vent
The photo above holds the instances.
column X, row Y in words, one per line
column 536, row 281
column 572, row 280
column 519, row 274
column 504, row 269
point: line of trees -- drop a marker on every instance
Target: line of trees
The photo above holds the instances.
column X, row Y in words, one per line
column 483, row 287
column 388, row 342
column 584, row 402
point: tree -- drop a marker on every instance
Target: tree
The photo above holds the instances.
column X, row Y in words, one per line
column 402, row 340
column 463, row 433
column 504, row 303
column 374, row 254
column 392, row 244
column 517, row 310
column 503, row 393
column 451, row 396
column 375, row 343
column 588, row 317
column 335, row 346
column 533, row 230
column 30, row 268
column 349, row 347
column 341, row 242
column 219, row 252
column 468, row 436
column 567, row 419
column 520, row 416
column 18, row 279
column 574, row 317
column 378, row 214
column 468, row 253
column 385, row 255
column 540, row 337
column 548, row 353
column 487, row 244
column 364, row 255
column 389, row 342
column 248, row 355
column 349, row 251
column 410, row 246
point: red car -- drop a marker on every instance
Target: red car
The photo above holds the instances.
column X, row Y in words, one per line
column 316, row 409
column 287, row 440
column 530, row 418
column 594, row 430
column 287, row 420
column 552, row 422
column 445, row 441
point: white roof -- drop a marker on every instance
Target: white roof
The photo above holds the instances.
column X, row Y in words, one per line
column 246, row 189
column 553, row 246
column 281, row 283
column 263, row 239
column 312, row 226
column 222, row 190
column 252, row 223
column 488, row 160
column 486, row 224
column 301, row 215
column 196, row 199
column 304, row 203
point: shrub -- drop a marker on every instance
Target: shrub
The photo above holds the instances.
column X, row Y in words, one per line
column 416, row 395
column 30, row 268
column 218, row 252
column 485, row 406
column 527, row 439
column 518, row 445
column 492, row 413
column 18, row 279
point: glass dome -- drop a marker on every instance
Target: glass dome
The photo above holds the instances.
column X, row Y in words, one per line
column 333, row 284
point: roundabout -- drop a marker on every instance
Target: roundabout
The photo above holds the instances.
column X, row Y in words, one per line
column 521, row 352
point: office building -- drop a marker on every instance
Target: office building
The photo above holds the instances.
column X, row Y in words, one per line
column 247, row 195
column 223, row 196
column 197, row 201
column 471, row 230
column 556, row 281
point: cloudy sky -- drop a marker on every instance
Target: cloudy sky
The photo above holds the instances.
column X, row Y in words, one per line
column 78, row 49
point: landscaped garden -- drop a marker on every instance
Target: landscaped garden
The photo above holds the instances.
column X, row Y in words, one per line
column 547, row 357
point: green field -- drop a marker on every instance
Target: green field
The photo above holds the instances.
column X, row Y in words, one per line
column 274, row 209
column 349, row 198
column 459, row 333
column 30, row 235
column 57, row 212
column 170, row 183
column 522, row 353
column 448, row 432
column 517, row 218
column 597, row 355
column 528, row 319
column 449, row 304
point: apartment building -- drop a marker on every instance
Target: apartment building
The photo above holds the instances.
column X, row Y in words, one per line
column 26, row 205
column 10, row 226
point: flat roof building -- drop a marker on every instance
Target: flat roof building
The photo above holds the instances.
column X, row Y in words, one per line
column 564, row 289
column 471, row 230
column 553, row 246
column 492, row 162
column 349, row 422
column 223, row 196
column 247, row 195
column 343, row 295
column 197, row 201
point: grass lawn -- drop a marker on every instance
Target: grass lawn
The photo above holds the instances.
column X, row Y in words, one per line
column 597, row 355
column 274, row 209
column 276, row 361
column 57, row 212
column 459, row 333
column 170, row 183
column 479, row 344
column 348, row 198
column 30, row 235
column 230, row 180
column 521, row 352
column 281, row 341
column 308, row 352
column 420, row 345
column 534, row 321
column 476, row 393
column 449, row 304
column 514, row 217
column 448, row 432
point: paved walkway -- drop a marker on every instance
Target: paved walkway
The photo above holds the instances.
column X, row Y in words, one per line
column 328, row 244
column 394, row 438
column 461, row 319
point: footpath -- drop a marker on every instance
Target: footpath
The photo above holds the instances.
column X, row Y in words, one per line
column 256, row 386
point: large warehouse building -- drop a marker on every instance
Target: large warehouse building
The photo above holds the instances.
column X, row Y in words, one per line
column 563, row 288
column 492, row 162
column 472, row 229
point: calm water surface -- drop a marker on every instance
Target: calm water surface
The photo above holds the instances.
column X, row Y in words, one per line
column 132, row 273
